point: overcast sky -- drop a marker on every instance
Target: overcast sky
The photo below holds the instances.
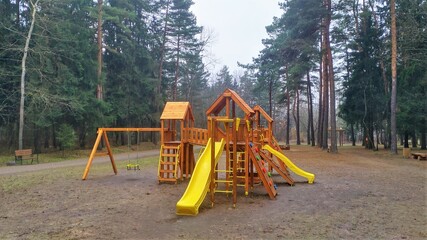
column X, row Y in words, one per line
column 238, row 27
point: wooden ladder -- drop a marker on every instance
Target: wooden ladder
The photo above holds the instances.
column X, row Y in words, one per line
column 240, row 160
column 168, row 163
column 285, row 174
column 263, row 173
column 224, row 177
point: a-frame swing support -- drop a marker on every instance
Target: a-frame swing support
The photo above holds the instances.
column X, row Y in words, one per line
column 102, row 134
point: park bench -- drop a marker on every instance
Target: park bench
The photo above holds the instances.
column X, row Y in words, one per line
column 419, row 156
column 25, row 154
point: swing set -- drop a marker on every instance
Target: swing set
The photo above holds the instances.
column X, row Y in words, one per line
column 102, row 136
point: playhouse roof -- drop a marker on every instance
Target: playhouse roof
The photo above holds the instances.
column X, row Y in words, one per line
column 220, row 103
column 263, row 113
column 177, row 111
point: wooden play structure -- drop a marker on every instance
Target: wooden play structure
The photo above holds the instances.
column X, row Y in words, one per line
column 245, row 134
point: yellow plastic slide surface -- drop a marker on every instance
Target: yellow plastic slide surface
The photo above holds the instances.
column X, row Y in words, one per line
column 289, row 164
column 199, row 182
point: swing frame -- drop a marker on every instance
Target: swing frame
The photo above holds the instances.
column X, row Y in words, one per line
column 102, row 135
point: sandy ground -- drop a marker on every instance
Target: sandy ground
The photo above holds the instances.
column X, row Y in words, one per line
column 357, row 194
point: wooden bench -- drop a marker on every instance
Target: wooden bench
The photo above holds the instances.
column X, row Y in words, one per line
column 25, row 154
column 419, row 156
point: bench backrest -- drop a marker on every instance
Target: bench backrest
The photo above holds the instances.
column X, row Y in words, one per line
column 23, row 152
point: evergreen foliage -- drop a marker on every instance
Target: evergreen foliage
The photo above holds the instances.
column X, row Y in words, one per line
column 153, row 51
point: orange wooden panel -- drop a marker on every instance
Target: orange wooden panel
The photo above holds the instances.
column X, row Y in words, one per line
column 177, row 111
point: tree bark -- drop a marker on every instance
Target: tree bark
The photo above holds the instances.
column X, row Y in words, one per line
column 393, row 103
column 175, row 85
column 331, row 80
column 310, row 98
column 288, row 104
column 162, row 55
column 320, row 114
column 414, row 139
column 297, row 120
column 309, row 119
column 423, row 139
column 270, row 98
column 24, row 71
column 325, row 87
column 99, row 89
column 353, row 139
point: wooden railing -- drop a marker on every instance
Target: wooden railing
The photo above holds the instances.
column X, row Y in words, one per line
column 197, row 136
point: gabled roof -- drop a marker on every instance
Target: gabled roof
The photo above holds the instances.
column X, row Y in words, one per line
column 220, row 103
column 177, row 111
column 267, row 117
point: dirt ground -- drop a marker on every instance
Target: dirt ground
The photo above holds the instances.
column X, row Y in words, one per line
column 357, row 194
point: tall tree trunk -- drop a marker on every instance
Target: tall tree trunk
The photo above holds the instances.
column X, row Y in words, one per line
column 310, row 111
column 270, row 98
column 353, row 138
column 99, row 89
column 24, row 71
column 414, row 139
column 325, row 88
column 175, row 84
column 320, row 114
column 297, row 120
column 423, row 139
column 393, row 103
column 162, row 56
column 288, row 117
column 331, row 79
column 406, row 140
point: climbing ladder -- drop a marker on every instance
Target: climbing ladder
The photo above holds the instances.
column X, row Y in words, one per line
column 224, row 177
column 240, row 160
column 263, row 173
column 168, row 163
column 285, row 174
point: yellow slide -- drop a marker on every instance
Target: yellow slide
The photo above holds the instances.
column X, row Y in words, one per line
column 199, row 182
column 289, row 164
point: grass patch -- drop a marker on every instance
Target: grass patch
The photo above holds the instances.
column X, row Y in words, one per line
column 10, row 183
column 59, row 156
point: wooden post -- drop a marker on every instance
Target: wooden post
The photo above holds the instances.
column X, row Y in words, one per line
column 247, row 148
column 235, row 161
column 92, row 154
column 110, row 153
column 212, row 185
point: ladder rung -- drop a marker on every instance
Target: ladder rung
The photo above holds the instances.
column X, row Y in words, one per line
column 166, row 171
column 168, row 179
column 168, row 154
column 223, row 181
column 170, row 147
column 167, row 163
column 224, row 171
column 223, row 191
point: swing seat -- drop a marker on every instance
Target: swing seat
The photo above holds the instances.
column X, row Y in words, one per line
column 132, row 166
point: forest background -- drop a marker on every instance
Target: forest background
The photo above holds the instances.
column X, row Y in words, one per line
column 68, row 67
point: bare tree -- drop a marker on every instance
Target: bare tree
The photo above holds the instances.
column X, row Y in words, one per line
column 33, row 6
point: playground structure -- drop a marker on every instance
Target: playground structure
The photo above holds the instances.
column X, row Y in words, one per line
column 251, row 151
